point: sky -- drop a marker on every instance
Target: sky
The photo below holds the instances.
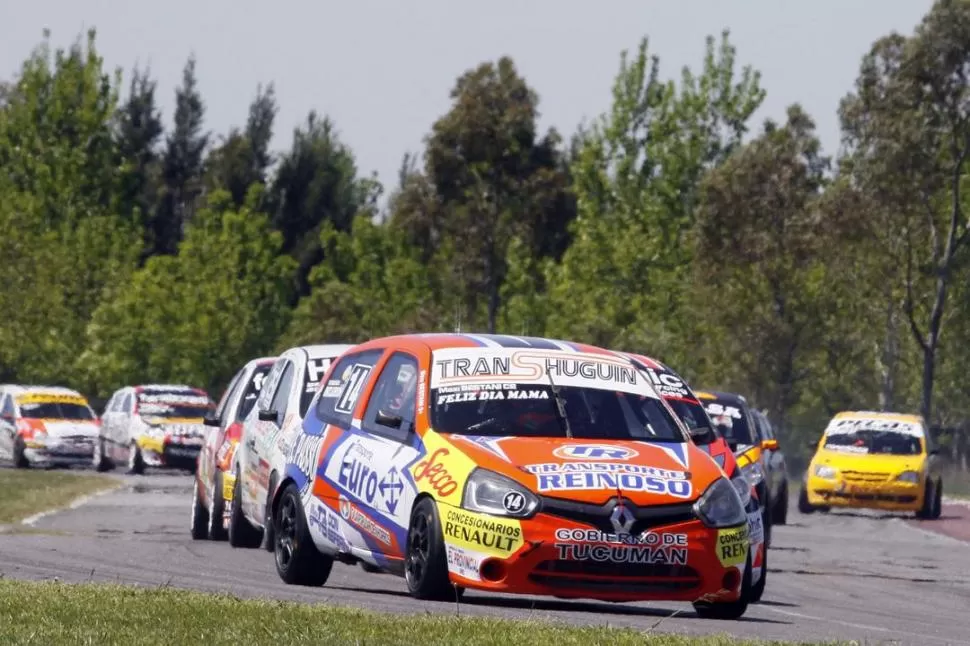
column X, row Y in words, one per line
column 383, row 70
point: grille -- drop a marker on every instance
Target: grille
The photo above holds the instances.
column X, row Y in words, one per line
column 598, row 516
column 865, row 476
column 615, row 577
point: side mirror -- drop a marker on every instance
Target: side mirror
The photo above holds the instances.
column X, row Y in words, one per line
column 388, row 420
column 267, row 415
column 210, row 420
column 811, row 444
column 769, row 445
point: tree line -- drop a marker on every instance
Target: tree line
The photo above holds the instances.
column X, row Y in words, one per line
column 740, row 253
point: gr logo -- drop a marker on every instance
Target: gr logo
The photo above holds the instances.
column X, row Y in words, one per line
column 594, row 452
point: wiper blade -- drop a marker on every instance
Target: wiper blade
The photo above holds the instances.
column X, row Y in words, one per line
column 560, row 406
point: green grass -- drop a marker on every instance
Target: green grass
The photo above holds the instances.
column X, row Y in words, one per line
column 51, row 614
column 27, row 492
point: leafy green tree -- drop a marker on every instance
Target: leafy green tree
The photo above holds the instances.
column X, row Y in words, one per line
column 908, row 128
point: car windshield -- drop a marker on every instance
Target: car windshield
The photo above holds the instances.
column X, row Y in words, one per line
column 508, row 392
column 253, row 387
column 731, row 419
column 693, row 416
column 315, row 370
column 174, row 404
column 56, row 410
column 872, row 441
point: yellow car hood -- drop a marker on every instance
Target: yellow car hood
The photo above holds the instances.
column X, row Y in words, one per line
column 879, row 462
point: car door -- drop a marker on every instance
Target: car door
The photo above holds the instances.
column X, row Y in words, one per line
column 8, row 426
column 109, row 424
column 264, row 433
column 369, row 465
column 122, row 428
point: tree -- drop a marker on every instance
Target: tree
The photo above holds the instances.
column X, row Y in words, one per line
column 760, row 245
column 637, row 170
column 182, row 166
column 908, row 128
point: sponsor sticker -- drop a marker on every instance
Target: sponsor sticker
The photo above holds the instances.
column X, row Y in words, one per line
column 667, row 383
column 671, row 549
column 380, row 490
column 854, row 424
column 591, row 476
column 463, row 562
column 487, row 534
column 51, row 398
column 327, row 524
column 732, row 545
column 441, row 471
column 356, row 517
column 594, row 452
column 714, row 409
column 756, row 528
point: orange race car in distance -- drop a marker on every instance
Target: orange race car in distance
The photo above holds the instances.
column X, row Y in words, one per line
column 508, row 464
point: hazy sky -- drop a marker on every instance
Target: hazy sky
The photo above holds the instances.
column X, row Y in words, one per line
column 383, row 69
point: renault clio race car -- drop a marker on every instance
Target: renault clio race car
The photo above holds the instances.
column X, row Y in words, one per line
column 210, row 514
column 153, row 425
column 677, row 393
column 267, row 433
column 508, row 464
column 876, row 461
column 46, row 426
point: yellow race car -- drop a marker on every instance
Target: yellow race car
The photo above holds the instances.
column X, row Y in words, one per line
column 871, row 460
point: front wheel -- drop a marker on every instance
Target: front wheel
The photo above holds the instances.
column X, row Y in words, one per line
column 268, row 529
column 136, row 463
column 729, row 609
column 100, row 462
column 929, row 496
column 804, row 506
column 937, row 510
column 298, row 561
column 425, row 564
column 780, row 515
column 20, row 454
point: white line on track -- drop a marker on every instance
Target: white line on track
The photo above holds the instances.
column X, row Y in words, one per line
column 74, row 504
column 956, row 501
column 850, row 624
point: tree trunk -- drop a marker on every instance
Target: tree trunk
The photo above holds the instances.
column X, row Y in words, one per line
column 888, row 362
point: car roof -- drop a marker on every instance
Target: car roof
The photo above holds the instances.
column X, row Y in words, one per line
column 261, row 361
column 870, row 414
column 168, row 387
column 446, row 340
column 24, row 389
column 325, row 350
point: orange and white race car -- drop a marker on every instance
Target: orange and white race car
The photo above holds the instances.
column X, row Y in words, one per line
column 508, row 464
column 46, row 426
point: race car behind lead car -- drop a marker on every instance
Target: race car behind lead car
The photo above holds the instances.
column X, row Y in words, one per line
column 508, row 464
column 46, row 426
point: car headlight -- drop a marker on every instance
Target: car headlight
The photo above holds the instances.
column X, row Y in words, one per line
column 741, row 483
column 720, row 505
column 908, row 476
column 825, row 472
column 493, row 493
column 754, row 473
column 37, row 441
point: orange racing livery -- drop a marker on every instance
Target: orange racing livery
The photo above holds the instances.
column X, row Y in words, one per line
column 508, row 464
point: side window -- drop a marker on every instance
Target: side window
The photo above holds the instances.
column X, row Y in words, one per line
column 282, row 396
column 126, row 407
column 109, row 404
column 390, row 410
column 8, row 408
column 269, row 384
column 347, row 380
column 227, row 396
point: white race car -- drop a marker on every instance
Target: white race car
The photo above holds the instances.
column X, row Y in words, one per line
column 153, row 425
column 266, row 436
column 46, row 426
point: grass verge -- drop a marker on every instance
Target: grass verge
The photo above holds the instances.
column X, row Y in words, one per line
column 58, row 613
column 27, row 492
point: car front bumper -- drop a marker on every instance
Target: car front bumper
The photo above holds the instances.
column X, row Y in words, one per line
column 891, row 495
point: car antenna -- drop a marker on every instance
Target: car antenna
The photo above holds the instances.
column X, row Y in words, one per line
column 560, row 406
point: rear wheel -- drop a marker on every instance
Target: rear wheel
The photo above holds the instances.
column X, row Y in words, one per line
column 268, row 529
column 217, row 510
column 298, row 561
column 241, row 531
column 729, row 609
column 136, row 463
column 425, row 564
column 200, row 516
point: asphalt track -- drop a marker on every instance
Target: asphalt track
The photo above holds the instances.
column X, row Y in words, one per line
column 876, row 578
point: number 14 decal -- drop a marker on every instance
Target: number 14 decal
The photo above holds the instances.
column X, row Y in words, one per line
column 355, row 383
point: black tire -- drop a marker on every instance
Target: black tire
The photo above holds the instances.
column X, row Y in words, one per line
column 241, row 532
column 298, row 561
column 804, row 507
column 269, row 533
column 200, row 515
column 937, row 510
column 100, row 462
column 779, row 515
column 425, row 564
column 929, row 496
column 217, row 510
column 19, row 454
column 758, row 590
column 136, row 463
column 729, row 609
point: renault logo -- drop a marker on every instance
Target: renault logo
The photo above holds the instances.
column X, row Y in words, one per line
column 622, row 519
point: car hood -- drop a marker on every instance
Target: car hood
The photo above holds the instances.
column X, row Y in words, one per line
column 68, row 428
column 872, row 463
column 648, row 473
